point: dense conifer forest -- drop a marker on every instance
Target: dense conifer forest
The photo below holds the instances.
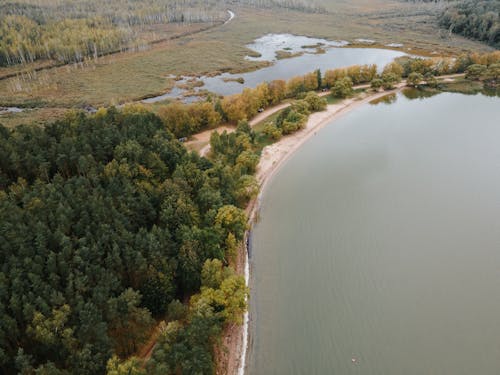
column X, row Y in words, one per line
column 107, row 222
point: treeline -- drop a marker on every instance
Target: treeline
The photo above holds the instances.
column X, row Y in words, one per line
column 490, row 74
column 474, row 19
column 107, row 222
column 118, row 12
column 186, row 119
column 70, row 31
column 24, row 41
column 415, row 71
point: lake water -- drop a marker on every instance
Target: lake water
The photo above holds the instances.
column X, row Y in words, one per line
column 378, row 246
column 285, row 69
column 296, row 66
column 269, row 44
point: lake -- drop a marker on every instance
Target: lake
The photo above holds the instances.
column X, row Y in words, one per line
column 378, row 246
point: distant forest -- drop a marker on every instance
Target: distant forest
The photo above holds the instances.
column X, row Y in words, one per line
column 70, row 31
column 474, row 19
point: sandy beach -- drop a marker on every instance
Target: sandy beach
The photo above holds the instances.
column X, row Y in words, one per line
column 274, row 155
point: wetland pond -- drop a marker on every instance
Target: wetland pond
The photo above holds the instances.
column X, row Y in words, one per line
column 287, row 68
column 378, row 246
column 306, row 59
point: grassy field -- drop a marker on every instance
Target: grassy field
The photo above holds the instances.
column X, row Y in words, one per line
column 129, row 76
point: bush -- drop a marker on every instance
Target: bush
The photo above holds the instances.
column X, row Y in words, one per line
column 475, row 71
column 342, row 88
column 272, row 131
column 414, row 79
column 389, row 80
column 430, row 80
column 376, row 83
column 315, row 102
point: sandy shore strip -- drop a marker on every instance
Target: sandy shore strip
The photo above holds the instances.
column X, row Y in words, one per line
column 274, row 155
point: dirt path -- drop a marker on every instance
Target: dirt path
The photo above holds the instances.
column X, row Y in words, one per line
column 231, row 16
column 201, row 140
column 267, row 112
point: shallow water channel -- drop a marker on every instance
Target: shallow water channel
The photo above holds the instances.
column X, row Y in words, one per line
column 378, row 245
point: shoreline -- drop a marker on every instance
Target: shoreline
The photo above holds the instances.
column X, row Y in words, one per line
column 236, row 339
column 273, row 157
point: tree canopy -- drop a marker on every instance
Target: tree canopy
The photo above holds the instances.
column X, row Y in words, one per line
column 474, row 19
column 105, row 220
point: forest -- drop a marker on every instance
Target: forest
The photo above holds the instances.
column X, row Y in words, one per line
column 68, row 31
column 106, row 223
column 71, row 31
column 108, row 226
column 474, row 19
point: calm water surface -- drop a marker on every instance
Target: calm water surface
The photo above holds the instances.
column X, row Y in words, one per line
column 287, row 68
column 379, row 240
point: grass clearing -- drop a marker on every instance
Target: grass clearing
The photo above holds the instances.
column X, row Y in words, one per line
column 332, row 100
column 37, row 116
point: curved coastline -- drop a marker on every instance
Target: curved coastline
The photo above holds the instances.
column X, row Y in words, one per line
column 273, row 157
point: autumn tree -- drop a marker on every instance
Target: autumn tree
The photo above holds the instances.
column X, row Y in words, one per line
column 475, row 71
column 315, row 102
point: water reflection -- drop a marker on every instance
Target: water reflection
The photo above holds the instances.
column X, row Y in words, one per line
column 417, row 93
column 386, row 99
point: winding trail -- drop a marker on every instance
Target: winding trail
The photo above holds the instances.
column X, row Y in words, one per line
column 231, row 16
column 204, row 137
